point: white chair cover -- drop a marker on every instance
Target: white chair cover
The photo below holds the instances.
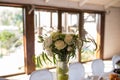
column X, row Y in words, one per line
column 42, row 74
column 115, row 58
column 76, row 71
column 3, row 79
column 97, row 67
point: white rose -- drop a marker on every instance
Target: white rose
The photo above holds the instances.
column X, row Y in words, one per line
column 60, row 44
column 68, row 38
column 47, row 42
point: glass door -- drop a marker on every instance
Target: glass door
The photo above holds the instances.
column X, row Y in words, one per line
column 11, row 41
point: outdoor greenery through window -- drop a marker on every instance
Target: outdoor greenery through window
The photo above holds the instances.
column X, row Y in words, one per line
column 11, row 41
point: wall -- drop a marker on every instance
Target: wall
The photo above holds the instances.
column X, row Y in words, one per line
column 112, row 33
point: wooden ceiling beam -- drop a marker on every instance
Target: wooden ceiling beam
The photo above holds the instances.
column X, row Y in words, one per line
column 111, row 3
column 47, row 0
column 82, row 3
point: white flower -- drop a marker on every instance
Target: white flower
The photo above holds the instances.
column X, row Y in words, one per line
column 55, row 35
column 60, row 44
column 50, row 53
column 47, row 42
column 69, row 48
column 68, row 38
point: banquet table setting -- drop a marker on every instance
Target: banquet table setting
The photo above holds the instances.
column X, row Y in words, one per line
column 111, row 75
column 79, row 71
column 105, row 76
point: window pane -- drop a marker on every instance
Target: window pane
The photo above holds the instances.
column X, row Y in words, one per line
column 46, row 22
column 91, row 23
column 70, row 25
column 11, row 41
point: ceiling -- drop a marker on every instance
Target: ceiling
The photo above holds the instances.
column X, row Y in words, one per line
column 105, row 3
column 77, row 4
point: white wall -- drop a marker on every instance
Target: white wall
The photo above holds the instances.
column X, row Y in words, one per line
column 112, row 33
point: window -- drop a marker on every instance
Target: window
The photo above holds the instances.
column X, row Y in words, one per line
column 90, row 29
column 11, row 41
column 39, row 22
column 70, row 23
column 46, row 22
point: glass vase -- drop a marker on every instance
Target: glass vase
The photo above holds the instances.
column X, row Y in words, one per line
column 62, row 70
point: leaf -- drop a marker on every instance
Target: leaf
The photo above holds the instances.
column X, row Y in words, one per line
column 39, row 60
column 43, row 57
column 47, row 57
column 93, row 41
column 40, row 39
column 33, row 58
column 54, row 59
column 69, row 57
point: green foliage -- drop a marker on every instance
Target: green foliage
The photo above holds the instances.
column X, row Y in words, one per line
column 40, row 39
column 6, row 38
column 9, row 39
column 6, row 35
column 11, row 17
column 1, row 55
column 18, row 43
column 41, row 59
column 17, row 18
column 6, row 17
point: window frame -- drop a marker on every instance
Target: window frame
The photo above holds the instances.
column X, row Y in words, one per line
column 17, row 6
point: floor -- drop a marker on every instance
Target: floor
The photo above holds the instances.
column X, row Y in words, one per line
column 108, row 67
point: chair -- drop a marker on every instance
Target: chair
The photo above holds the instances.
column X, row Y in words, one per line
column 3, row 79
column 115, row 58
column 42, row 74
column 76, row 71
column 97, row 67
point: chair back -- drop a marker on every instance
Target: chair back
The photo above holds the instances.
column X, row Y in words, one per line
column 97, row 67
column 115, row 58
column 76, row 71
column 42, row 74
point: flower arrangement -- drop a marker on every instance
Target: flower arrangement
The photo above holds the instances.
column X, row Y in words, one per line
column 60, row 44
column 61, row 47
